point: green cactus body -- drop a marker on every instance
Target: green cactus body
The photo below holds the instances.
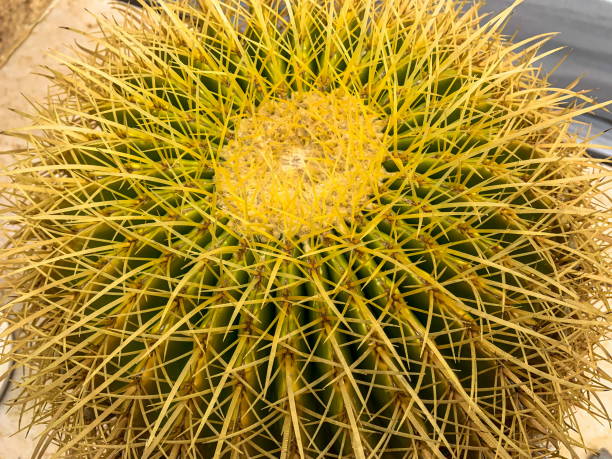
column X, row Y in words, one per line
column 305, row 229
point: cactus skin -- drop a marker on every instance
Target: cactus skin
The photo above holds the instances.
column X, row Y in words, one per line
column 452, row 315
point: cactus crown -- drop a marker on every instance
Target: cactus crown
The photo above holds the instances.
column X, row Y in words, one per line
column 299, row 228
column 301, row 166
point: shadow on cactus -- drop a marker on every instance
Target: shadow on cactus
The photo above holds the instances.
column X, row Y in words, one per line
column 295, row 228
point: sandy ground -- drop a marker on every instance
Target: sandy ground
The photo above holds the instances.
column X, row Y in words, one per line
column 17, row 77
column 17, row 18
column 18, row 80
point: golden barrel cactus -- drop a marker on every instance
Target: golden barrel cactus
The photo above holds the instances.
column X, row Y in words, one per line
column 306, row 229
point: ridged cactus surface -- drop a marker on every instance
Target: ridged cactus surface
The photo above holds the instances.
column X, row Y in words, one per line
column 314, row 229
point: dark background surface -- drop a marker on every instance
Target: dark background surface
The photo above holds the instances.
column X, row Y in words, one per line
column 585, row 31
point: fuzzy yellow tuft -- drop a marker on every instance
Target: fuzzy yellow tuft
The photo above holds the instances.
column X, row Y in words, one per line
column 301, row 166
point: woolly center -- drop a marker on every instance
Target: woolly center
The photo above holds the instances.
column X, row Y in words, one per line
column 300, row 166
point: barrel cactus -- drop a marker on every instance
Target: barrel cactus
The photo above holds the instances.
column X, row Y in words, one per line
column 299, row 228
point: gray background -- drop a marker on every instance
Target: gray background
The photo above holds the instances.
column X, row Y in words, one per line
column 585, row 29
